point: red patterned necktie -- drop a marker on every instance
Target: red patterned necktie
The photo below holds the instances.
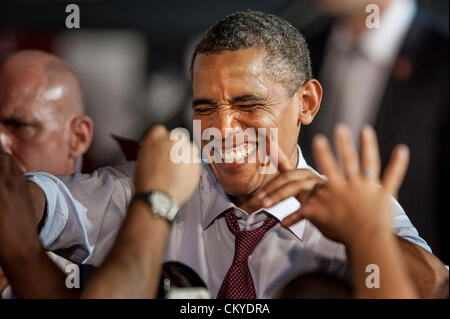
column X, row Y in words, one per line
column 238, row 282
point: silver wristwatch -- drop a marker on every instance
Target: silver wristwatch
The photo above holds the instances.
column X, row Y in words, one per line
column 161, row 204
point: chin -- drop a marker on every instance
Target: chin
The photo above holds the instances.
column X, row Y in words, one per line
column 239, row 190
column 240, row 182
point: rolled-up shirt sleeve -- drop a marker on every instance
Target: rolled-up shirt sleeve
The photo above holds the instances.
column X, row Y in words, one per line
column 84, row 211
column 403, row 227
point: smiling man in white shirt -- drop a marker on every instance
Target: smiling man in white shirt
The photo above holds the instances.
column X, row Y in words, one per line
column 250, row 70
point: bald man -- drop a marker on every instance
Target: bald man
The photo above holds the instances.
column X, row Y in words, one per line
column 42, row 124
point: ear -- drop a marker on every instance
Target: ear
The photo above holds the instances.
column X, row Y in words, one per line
column 82, row 128
column 309, row 96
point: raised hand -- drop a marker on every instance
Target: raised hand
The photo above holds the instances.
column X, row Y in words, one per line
column 142, row 239
column 290, row 182
column 354, row 201
column 17, row 222
column 157, row 171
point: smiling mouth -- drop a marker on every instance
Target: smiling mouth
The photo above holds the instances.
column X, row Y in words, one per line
column 238, row 153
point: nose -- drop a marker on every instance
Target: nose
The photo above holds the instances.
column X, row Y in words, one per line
column 226, row 122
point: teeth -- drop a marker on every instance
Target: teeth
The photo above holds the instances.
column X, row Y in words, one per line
column 251, row 149
column 239, row 154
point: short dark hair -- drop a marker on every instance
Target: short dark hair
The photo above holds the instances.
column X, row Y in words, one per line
column 287, row 53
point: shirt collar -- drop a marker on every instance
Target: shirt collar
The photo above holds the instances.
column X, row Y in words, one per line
column 381, row 45
column 218, row 202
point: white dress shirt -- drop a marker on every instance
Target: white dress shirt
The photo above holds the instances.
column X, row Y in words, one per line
column 355, row 72
column 84, row 213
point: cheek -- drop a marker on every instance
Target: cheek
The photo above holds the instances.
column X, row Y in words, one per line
column 52, row 144
column 205, row 121
column 288, row 125
column 257, row 119
column 285, row 122
column 57, row 140
column 28, row 139
column 28, row 154
column 200, row 125
column 33, row 149
column 288, row 139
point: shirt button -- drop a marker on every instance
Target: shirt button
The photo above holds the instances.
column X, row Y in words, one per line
column 238, row 214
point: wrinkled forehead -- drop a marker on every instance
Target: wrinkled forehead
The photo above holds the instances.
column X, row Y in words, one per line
column 241, row 70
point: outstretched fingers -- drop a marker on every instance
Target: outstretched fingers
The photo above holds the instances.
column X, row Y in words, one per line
column 396, row 170
column 370, row 156
column 347, row 153
column 325, row 159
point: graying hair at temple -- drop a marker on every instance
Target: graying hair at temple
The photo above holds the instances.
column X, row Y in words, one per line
column 288, row 60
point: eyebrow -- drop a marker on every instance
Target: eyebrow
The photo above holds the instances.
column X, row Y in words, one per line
column 240, row 98
column 248, row 98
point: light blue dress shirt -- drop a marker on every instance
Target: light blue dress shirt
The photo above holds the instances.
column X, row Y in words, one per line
column 85, row 212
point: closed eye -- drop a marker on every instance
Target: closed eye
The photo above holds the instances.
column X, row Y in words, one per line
column 14, row 124
column 249, row 107
column 204, row 109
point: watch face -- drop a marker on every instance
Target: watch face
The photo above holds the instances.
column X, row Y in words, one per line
column 160, row 201
column 163, row 205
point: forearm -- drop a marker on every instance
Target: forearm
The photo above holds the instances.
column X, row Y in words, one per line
column 27, row 267
column 38, row 202
column 427, row 272
column 132, row 269
column 379, row 248
column 32, row 274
